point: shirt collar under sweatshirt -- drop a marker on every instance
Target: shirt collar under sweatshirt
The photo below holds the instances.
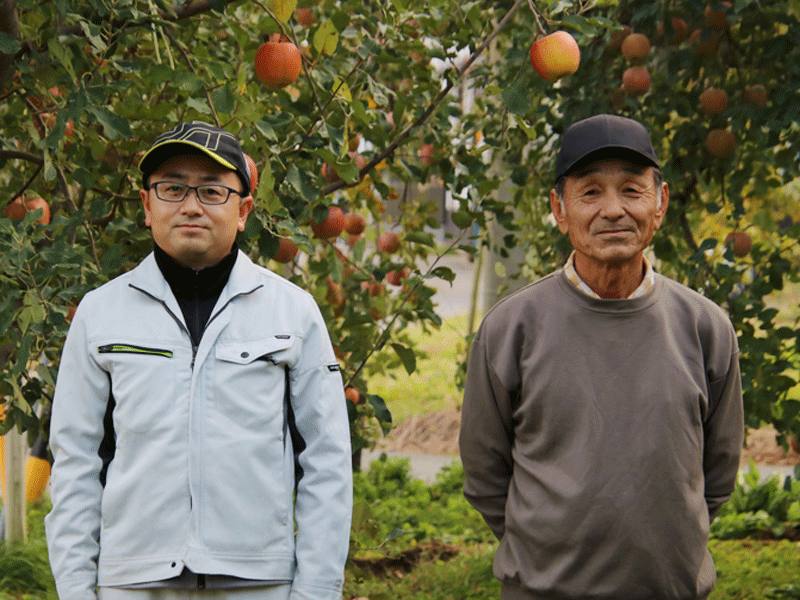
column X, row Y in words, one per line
column 196, row 291
column 572, row 275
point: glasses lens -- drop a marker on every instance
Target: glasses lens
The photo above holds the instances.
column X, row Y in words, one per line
column 169, row 191
column 213, row 194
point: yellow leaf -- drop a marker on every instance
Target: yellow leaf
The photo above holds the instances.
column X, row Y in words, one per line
column 326, row 38
column 342, row 89
column 282, row 9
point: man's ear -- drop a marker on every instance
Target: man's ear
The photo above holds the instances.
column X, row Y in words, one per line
column 557, row 206
column 145, row 194
column 661, row 210
column 245, row 206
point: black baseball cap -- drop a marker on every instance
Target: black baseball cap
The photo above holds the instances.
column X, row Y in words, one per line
column 604, row 136
column 197, row 137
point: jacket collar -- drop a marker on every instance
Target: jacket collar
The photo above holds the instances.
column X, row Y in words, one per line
column 147, row 277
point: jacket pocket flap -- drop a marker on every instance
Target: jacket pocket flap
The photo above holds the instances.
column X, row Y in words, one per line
column 246, row 352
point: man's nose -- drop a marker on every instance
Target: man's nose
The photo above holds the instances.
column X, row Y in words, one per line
column 191, row 203
column 613, row 207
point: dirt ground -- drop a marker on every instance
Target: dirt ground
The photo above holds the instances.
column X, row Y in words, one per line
column 437, row 433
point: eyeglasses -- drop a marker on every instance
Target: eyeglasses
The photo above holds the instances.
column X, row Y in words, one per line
column 172, row 191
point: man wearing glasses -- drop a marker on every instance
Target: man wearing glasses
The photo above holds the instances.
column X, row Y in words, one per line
column 199, row 428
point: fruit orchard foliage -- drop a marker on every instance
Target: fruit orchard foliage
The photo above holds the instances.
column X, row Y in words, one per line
column 384, row 78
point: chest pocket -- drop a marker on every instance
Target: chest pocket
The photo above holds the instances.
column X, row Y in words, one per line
column 250, row 379
column 143, row 383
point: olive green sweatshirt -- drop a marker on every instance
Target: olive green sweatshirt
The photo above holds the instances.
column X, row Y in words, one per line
column 600, row 437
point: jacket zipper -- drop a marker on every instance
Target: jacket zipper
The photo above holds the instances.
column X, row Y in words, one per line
column 131, row 349
column 182, row 326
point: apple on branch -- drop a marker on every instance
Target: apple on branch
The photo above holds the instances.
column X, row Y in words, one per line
column 555, row 56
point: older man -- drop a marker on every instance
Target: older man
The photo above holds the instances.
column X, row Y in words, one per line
column 602, row 417
column 199, row 428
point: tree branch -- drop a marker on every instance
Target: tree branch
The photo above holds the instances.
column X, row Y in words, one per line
column 192, row 69
column 9, row 24
column 434, row 103
column 14, row 154
column 384, row 335
column 683, row 200
column 177, row 14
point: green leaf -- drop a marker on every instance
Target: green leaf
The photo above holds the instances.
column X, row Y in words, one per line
column 382, row 412
column 301, row 183
column 224, row 100
column 326, row 38
column 23, row 354
column 445, row 273
column 61, row 53
column 199, row 104
column 407, row 357
column 462, row 219
column 114, row 126
column 8, row 44
column 394, row 534
column 187, row 81
column 336, row 136
column 516, row 97
column 348, row 171
column 420, row 237
column 112, row 260
column 94, row 35
column 266, row 184
column 341, row 20
column 266, row 129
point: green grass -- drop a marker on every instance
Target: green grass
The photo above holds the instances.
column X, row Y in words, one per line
column 432, row 386
column 25, row 570
column 443, row 554
column 746, row 570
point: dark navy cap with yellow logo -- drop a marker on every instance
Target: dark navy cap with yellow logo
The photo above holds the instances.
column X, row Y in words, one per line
column 193, row 137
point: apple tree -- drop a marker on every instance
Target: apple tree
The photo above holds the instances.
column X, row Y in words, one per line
column 392, row 97
column 716, row 83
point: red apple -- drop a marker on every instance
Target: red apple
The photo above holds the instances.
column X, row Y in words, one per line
column 395, row 277
column 287, row 250
column 741, row 242
column 389, row 242
column 354, row 223
column 555, row 56
column 331, row 226
column 17, row 209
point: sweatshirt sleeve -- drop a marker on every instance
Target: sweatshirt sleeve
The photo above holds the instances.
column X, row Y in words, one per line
column 723, row 428
column 76, row 431
column 324, row 499
column 486, row 438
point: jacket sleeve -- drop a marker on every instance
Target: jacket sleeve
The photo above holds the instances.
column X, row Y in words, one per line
column 723, row 428
column 76, row 430
column 324, row 499
column 486, row 438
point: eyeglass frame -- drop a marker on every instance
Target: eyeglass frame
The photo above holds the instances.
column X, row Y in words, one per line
column 195, row 188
